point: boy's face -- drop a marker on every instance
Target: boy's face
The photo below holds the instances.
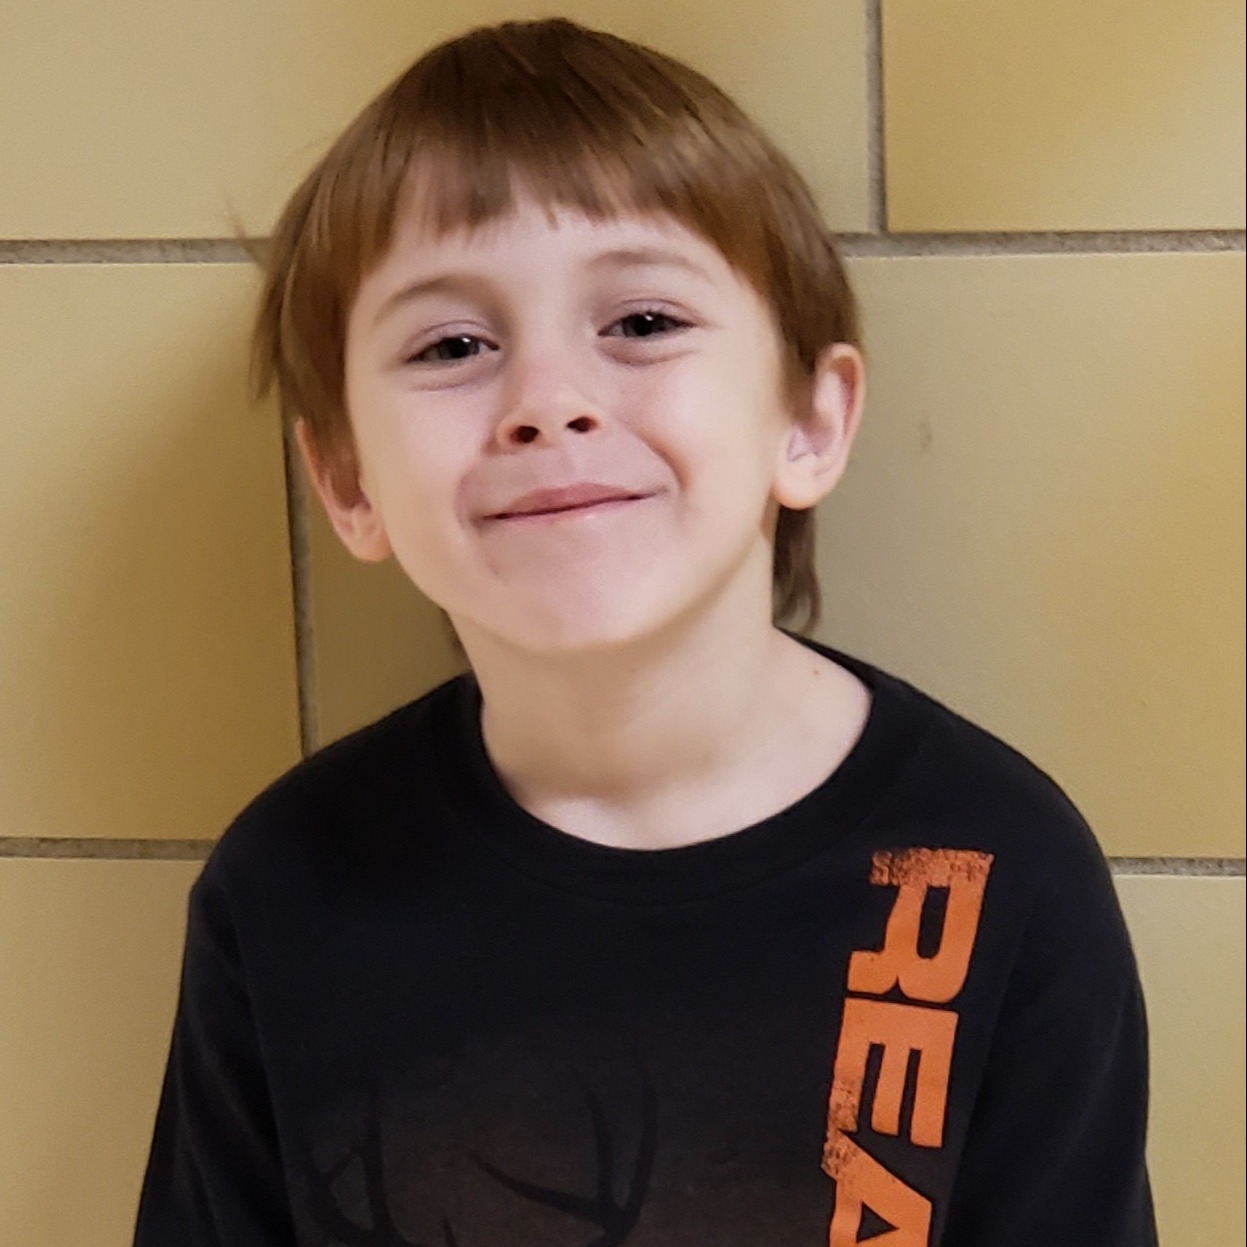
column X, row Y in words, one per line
column 623, row 365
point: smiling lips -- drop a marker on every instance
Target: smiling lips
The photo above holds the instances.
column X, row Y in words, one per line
column 551, row 502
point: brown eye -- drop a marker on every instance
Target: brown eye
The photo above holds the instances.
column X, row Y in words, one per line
column 646, row 325
column 449, row 350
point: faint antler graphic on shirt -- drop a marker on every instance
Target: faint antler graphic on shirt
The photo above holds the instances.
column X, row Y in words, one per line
column 327, row 1211
column 616, row 1219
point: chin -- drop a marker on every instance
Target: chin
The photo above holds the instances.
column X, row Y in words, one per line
column 596, row 611
column 579, row 625
column 578, row 636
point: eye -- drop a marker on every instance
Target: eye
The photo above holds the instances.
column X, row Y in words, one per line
column 450, row 350
column 647, row 324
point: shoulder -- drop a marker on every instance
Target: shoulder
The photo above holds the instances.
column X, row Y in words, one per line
column 1050, row 911
column 327, row 812
column 961, row 786
column 956, row 762
column 1049, row 875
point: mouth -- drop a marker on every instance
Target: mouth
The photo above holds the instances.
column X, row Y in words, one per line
column 573, row 501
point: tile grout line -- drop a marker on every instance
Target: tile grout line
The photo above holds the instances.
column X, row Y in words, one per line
column 297, row 525
column 868, row 245
column 877, row 185
column 127, row 251
column 102, row 849
column 1179, row 867
column 1051, row 242
column 97, row 849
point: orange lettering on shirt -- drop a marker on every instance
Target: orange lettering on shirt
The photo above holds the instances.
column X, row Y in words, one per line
column 862, row 1182
column 899, row 1030
column 938, row 978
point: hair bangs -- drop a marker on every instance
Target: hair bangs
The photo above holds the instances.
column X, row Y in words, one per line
column 582, row 124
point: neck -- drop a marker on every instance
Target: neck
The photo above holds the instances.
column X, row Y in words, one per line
column 677, row 738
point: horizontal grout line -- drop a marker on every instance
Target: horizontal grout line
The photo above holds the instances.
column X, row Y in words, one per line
column 89, row 848
column 1108, row 242
column 866, row 246
column 125, row 251
column 1220, row 867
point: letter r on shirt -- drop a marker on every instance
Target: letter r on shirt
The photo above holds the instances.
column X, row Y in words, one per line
column 938, row 978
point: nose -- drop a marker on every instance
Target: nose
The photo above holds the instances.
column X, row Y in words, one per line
column 544, row 403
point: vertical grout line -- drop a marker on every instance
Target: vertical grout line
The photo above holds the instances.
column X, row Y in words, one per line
column 876, row 151
column 301, row 590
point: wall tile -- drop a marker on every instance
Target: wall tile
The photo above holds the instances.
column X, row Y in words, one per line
column 141, row 119
column 1063, row 115
column 1042, row 523
column 1188, row 936
column 89, row 956
column 146, row 631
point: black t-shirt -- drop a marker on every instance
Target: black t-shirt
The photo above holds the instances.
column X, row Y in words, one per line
column 902, row 1011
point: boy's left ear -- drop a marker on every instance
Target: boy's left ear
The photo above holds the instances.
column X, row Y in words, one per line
column 826, row 413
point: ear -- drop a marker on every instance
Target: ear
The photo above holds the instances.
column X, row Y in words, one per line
column 825, row 416
column 350, row 512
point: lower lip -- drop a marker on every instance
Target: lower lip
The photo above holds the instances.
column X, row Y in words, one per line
column 569, row 513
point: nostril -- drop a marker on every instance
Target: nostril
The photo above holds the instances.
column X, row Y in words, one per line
column 525, row 434
column 581, row 424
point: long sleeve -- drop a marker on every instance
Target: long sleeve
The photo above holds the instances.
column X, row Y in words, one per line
column 1055, row 1150
column 214, row 1177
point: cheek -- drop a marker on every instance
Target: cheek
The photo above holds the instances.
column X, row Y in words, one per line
column 686, row 415
column 733, row 421
column 403, row 447
column 415, row 481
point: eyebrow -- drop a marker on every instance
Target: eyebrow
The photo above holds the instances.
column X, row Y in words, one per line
column 444, row 282
column 617, row 257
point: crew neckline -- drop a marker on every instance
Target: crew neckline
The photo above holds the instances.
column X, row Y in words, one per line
column 825, row 817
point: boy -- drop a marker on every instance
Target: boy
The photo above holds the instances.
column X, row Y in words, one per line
column 663, row 926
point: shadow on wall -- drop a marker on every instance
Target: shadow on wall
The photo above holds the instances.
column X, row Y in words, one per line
column 376, row 640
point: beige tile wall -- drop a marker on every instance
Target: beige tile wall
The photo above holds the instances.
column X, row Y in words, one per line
column 1188, row 936
column 1043, row 522
column 170, row 121
column 146, row 635
column 1064, row 115
column 89, row 956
